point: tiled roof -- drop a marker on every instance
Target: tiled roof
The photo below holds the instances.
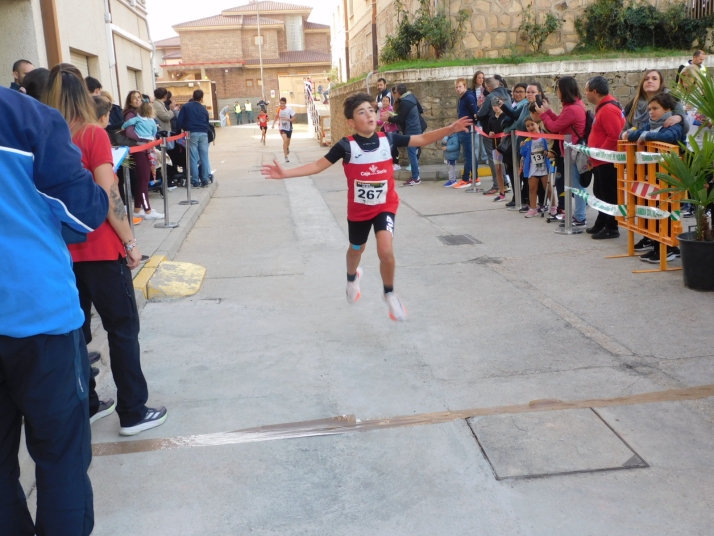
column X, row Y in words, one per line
column 253, row 21
column 315, row 26
column 296, row 56
column 268, row 6
column 173, row 56
column 216, row 20
column 170, row 42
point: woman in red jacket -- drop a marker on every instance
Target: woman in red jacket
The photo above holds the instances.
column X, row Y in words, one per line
column 570, row 121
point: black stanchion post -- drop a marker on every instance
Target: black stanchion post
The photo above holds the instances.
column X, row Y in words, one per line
column 474, row 163
column 167, row 223
column 187, row 172
column 127, row 196
column 516, row 179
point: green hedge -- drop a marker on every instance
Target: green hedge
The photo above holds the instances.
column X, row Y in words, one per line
column 631, row 25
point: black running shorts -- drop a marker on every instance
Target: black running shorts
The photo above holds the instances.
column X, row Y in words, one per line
column 288, row 133
column 264, row 128
column 359, row 230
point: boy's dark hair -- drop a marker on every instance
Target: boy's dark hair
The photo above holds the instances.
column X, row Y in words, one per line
column 283, row 99
column 92, row 83
column 665, row 100
column 198, row 95
column 160, row 92
column 102, row 105
column 569, row 90
column 353, row 101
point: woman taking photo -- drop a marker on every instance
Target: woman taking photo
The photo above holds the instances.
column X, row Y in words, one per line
column 103, row 264
column 570, row 121
column 142, row 207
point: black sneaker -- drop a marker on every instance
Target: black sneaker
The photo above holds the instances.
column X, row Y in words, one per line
column 606, row 233
column 510, row 204
column 154, row 417
column 106, row 407
column 579, row 224
column 94, row 357
column 593, row 230
column 654, row 258
column 644, row 245
column 674, row 250
column 647, row 255
column 524, row 208
column 94, row 371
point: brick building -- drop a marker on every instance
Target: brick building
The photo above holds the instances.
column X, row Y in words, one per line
column 224, row 48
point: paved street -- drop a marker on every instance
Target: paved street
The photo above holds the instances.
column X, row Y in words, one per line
column 524, row 315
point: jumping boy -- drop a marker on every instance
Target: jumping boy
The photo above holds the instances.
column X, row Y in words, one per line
column 263, row 123
column 372, row 199
column 285, row 115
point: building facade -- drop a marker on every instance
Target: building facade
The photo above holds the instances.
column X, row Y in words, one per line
column 227, row 49
column 108, row 40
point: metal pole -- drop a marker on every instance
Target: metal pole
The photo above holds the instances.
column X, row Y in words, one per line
column 127, row 196
column 187, row 172
column 516, row 178
column 164, row 188
column 568, row 179
column 260, row 54
column 474, row 164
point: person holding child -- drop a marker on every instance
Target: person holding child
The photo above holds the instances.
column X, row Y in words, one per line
column 385, row 112
column 372, row 199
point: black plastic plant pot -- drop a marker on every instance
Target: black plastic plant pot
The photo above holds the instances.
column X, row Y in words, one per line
column 697, row 262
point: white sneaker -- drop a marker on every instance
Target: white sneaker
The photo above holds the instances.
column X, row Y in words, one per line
column 153, row 215
column 287, row 159
column 397, row 311
column 353, row 293
column 140, row 214
column 396, row 167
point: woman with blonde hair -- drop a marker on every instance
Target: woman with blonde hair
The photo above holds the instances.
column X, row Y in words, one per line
column 103, row 264
column 636, row 111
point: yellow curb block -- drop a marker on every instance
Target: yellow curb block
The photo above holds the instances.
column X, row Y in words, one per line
column 484, row 171
column 175, row 280
column 142, row 278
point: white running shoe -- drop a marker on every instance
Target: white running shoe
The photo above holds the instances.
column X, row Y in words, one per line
column 153, row 215
column 397, row 311
column 353, row 293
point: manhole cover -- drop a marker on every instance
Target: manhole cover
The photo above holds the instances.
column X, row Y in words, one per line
column 549, row 443
column 458, row 240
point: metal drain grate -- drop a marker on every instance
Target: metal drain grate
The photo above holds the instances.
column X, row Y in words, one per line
column 458, row 240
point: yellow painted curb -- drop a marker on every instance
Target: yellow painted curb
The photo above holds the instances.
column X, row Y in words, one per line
column 142, row 278
column 484, row 171
column 175, row 280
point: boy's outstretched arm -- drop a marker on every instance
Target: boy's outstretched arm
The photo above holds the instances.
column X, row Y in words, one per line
column 420, row 140
column 275, row 171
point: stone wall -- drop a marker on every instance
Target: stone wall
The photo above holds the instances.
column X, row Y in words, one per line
column 435, row 87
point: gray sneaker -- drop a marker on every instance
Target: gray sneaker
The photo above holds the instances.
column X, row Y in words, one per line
column 154, row 417
column 106, row 407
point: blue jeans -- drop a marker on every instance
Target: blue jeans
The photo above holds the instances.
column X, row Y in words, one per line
column 198, row 145
column 481, row 155
column 413, row 161
column 580, row 203
column 465, row 143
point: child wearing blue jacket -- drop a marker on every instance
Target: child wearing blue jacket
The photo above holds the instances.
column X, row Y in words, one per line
column 660, row 108
column 450, row 146
column 535, row 164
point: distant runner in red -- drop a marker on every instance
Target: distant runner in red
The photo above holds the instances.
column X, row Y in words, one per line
column 372, row 200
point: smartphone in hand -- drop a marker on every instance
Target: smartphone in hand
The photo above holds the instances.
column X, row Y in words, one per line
column 539, row 101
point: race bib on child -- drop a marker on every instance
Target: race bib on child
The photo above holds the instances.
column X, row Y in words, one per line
column 371, row 192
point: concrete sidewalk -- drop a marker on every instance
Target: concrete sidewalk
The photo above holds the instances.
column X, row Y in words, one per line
column 522, row 315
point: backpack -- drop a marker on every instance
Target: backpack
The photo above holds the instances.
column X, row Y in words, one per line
column 581, row 159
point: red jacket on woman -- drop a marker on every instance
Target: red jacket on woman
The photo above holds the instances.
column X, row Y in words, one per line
column 608, row 124
column 572, row 116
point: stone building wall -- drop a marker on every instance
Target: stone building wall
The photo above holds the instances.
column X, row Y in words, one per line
column 435, row 87
column 270, row 43
column 317, row 41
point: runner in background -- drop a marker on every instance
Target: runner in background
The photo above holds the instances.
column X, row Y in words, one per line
column 263, row 123
column 285, row 115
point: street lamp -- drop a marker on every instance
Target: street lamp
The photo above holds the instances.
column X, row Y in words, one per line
column 260, row 54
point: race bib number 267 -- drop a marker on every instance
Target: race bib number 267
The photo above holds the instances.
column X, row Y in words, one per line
column 371, row 192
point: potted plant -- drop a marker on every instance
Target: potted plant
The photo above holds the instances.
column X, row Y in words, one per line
column 688, row 174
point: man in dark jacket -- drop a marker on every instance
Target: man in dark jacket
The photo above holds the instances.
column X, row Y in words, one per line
column 410, row 122
column 467, row 107
column 44, row 368
column 383, row 92
column 193, row 118
column 495, row 93
column 19, row 70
